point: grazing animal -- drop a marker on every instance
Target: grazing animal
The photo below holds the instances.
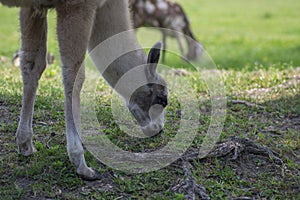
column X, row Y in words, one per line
column 167, row 15
column 82, row 25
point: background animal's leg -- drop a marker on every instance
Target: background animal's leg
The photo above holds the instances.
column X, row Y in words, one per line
column 195, row 49
column 73, row 29
column 33, row 62
column 179, row 40
column 191, row 54
column 164, row 36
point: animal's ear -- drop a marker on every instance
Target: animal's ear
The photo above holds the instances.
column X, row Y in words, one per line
column 153, row 58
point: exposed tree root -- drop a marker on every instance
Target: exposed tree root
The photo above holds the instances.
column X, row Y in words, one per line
column 232, row 149
column 189, row 186
column 235, row 146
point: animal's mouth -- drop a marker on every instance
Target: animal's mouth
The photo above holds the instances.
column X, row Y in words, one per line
column 142, row 118
column 152, row 122
column 153, row 129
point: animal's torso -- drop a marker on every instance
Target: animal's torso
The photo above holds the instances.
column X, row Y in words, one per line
column 159, row 13
column 41, row 3
column 30, row 3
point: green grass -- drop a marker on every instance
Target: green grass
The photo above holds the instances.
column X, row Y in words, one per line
column 255, row 44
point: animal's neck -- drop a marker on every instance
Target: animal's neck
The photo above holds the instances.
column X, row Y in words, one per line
column 114, row 49
column 127, row 72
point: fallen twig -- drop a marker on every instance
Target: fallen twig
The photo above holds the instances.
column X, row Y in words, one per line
column 51, row 137
column 249, row 104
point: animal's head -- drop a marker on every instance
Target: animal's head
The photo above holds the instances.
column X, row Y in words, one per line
column 148, row 102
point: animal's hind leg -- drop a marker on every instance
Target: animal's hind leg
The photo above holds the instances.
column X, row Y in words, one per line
column 33, row 62
column 164, row 37
column 73, row 29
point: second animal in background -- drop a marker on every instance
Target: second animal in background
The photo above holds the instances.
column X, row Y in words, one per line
column 172, row 19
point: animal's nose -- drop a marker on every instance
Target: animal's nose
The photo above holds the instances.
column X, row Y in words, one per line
column 153, row 129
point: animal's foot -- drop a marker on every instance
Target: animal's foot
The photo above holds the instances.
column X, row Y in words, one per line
column 26, row 148
column 24, row 142
column 83, row 171
column 89, row 174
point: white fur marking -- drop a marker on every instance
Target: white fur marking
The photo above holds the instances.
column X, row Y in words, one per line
column 162, row 5
column 177, row 23
column 150, row 8
column 140, row 4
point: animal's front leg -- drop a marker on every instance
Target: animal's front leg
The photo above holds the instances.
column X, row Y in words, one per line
column 73, row 29
column 179, row 40
column 33, row 62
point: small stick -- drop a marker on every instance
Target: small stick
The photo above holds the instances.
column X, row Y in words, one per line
column 246, row 103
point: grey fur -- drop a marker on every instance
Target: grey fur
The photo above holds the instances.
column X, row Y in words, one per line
column 27, row 3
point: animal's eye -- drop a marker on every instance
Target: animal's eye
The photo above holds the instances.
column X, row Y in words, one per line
column 161, row 100
column 164, row 102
